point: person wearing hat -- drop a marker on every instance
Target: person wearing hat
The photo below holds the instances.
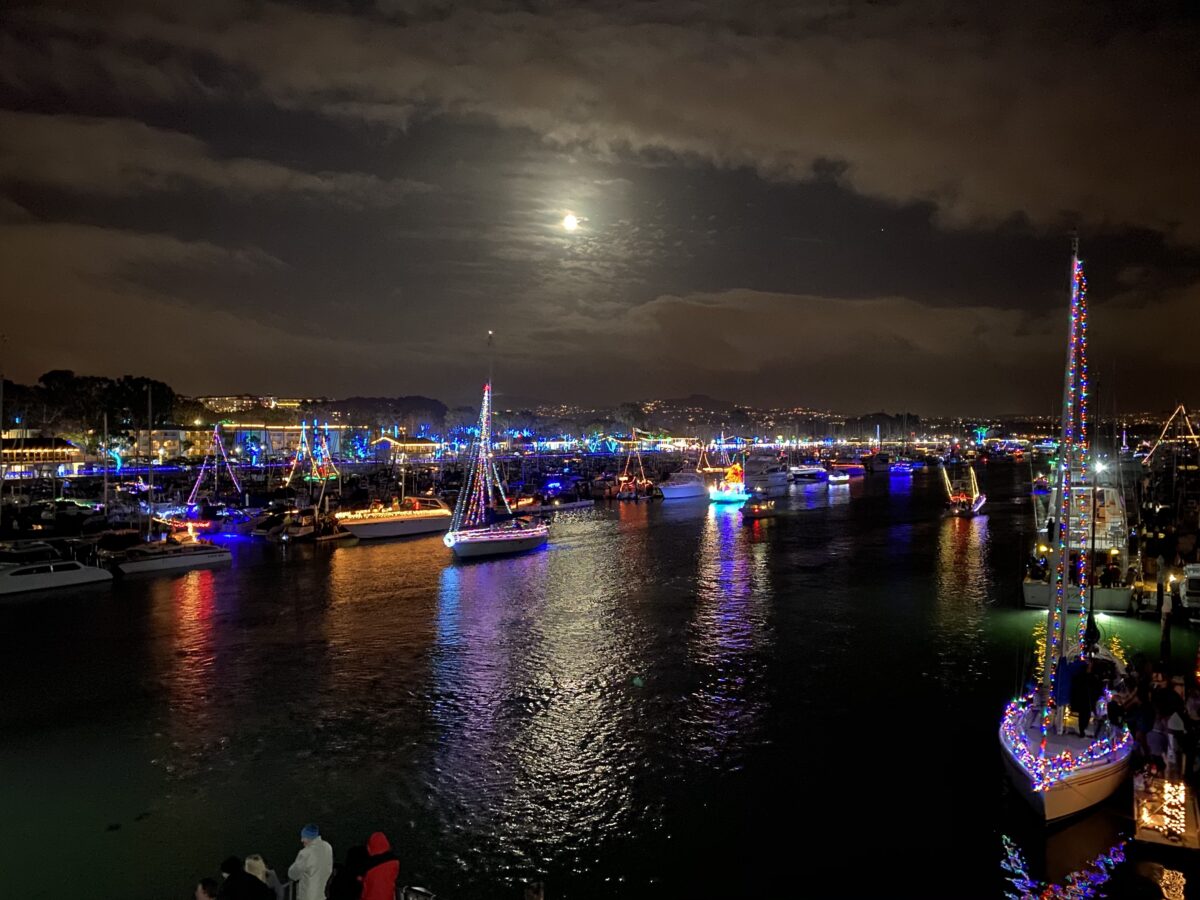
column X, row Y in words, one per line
column 313, row 865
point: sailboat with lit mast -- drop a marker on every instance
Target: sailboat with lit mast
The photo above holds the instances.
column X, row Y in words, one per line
column 472, row 532
column 1058, row 772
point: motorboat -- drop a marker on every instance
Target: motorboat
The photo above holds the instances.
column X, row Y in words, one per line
column 167, row 556
column 878, row 462
column 683, row 486
column 759, row 508
column 807, row 472
column 48, row 574
column 837, row 476
column 771, row 480
column 403, row 518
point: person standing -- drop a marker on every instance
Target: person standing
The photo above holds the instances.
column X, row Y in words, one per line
column 238, row 884
column 313, row 865
column 1160, row 566
column 382, row 869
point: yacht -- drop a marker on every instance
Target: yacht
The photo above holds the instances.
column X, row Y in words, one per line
column 16, row 578
column 683, row 485
column 807, row 472
column 404, row 518
column 771, row 480
column 164, row 556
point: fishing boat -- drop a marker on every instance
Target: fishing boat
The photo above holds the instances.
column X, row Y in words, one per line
column 634, row 485
column 401, row 518
column 683, row 485
column 472, row 532
column 1060, row 772
column 963, row 496
column 731, row 488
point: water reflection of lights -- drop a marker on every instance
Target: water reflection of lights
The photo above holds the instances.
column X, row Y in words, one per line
column 532, row 671
column 963, row 581
column 729, row 628
column 191, row 677
column 1083, row 883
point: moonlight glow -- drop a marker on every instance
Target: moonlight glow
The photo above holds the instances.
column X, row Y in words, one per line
column 570, row 222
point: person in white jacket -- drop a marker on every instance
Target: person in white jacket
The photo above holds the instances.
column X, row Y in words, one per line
column 313, row 865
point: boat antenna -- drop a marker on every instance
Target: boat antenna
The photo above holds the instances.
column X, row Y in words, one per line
column 491, row 356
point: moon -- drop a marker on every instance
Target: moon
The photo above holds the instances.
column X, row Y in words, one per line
column 570, row 222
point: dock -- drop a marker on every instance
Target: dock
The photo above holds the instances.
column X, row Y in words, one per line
column 1165, row 812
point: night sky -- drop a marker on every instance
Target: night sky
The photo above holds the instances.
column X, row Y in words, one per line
column 846, row 205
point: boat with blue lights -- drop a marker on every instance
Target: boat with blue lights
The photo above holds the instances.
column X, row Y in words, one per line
column 1057, row 763
column 731, row 488
column 473, row 532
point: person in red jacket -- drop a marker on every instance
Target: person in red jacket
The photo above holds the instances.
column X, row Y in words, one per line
column 382, row 869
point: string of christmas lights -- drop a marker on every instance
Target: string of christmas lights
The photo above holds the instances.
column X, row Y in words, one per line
column 474, row 499
column 1046, row 771
column 1079, row 885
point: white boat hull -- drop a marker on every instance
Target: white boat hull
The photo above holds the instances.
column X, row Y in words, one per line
column 1073, row 794
column 683, row 491
column 397, row 527
column 468, row 547
column 175, row 562
column 22, row 584
column 1118, row 600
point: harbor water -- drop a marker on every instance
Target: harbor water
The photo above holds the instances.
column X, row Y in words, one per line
column 665, row 701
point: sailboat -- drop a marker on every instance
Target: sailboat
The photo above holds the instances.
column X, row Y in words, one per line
column 471, row 532
column 965, row 498
column 1058, row 771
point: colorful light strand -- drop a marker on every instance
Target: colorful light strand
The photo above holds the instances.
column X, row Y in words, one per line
column 1045, row 771
column 1079, row 885
column 474, row 498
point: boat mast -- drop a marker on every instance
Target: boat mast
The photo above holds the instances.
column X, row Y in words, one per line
column 150, row 458
column 105, row 457
column 1072, row 463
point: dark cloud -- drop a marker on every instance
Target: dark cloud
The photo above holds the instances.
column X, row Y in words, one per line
column 120, row 157
column 778, row 202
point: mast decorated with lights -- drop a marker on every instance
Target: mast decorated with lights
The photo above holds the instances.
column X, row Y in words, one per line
column 1059, row 772
column 1073, row 468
